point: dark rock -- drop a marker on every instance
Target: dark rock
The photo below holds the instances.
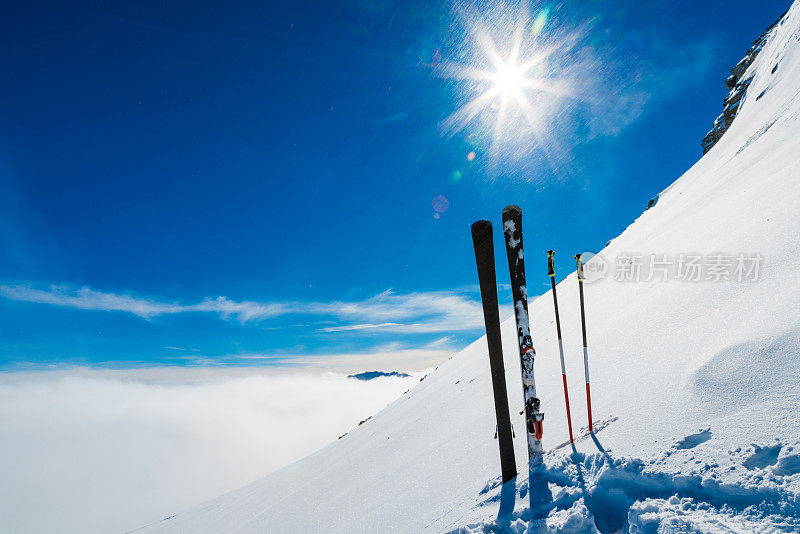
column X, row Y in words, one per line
column 738, row 90
column 369, row 375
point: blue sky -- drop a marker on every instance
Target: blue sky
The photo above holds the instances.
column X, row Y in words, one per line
column 246, row 183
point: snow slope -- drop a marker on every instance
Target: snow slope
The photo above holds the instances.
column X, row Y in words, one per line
column 694, row 383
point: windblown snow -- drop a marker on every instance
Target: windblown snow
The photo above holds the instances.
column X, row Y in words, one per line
column 694, row 383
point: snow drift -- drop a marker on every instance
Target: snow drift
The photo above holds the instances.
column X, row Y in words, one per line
column 694, row 382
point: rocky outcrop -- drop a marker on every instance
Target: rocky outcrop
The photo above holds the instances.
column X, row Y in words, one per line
column 737, row 83
column 370, row 375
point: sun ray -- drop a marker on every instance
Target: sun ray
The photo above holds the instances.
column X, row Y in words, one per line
column 499, row 124
column 516, row 42
column 537, row 58
column 457, row 71
column 553, row 86
column 461, row 117
column 546, row 142
column 501, row 116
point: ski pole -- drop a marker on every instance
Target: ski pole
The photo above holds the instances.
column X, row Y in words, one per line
column 585, row 351
column 551, row 272
column 484, row 258
column 512, row 229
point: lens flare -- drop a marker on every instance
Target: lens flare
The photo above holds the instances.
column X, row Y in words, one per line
column 440, row 204
column 539, row 21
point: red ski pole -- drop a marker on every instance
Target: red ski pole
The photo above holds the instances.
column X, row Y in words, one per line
column 585, row 351
column 551, row 272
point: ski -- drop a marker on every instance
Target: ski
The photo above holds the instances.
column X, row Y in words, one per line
column 484, row 258
column 551, row 272
column 512, row 228
column 585, row 351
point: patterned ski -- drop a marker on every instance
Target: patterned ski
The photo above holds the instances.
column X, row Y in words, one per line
column 512, row 228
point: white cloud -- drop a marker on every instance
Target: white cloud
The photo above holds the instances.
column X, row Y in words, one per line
column 85, row 298
column 364, row 326
column 108, row 451
column 433, row 311
column 243, row 311
column 424, row 358
column 393, row 356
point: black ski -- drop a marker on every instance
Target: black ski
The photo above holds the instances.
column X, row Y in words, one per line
column 484, row 258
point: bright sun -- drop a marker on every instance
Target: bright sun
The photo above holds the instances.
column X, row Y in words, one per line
column 515, row 84
column 509, row 79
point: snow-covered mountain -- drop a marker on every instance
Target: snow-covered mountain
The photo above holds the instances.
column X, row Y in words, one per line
column 695, row 383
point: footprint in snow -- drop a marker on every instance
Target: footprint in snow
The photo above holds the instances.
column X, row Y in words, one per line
column 693, row 440
column 763, row 457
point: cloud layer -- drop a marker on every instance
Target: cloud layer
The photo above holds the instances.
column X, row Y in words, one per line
column 108, row 451
column 393, row 356
column 435, row 311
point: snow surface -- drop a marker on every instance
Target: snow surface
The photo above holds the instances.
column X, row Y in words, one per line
column 694, row 385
